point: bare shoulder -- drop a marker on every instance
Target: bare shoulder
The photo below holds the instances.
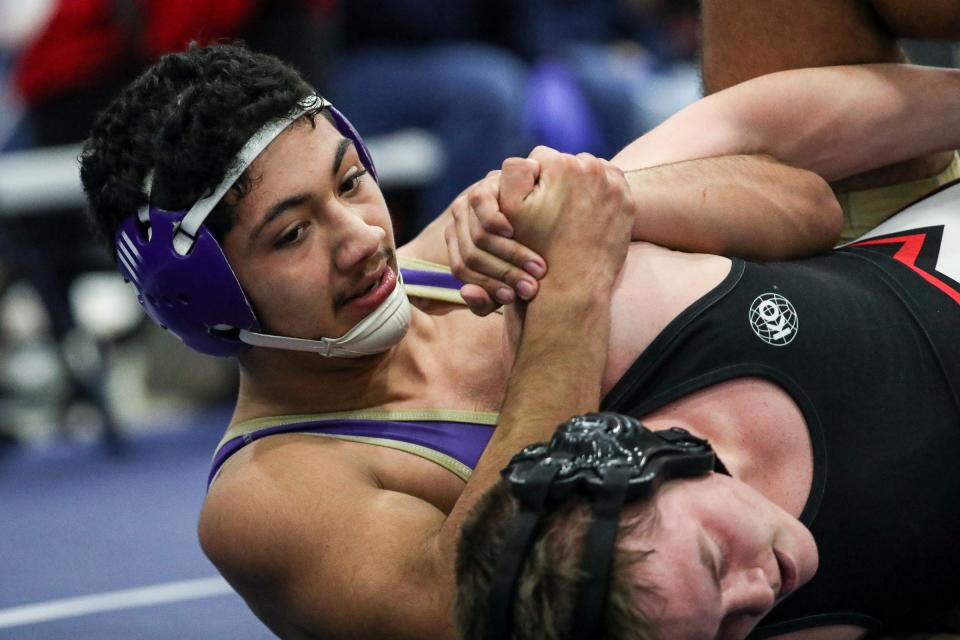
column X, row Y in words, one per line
column 266, row 480
column 654, row 287
column 254, row 519
column 296, row 526
column 669, row 264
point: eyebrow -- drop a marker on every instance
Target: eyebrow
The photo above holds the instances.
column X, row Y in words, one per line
column 276, row 210
column 342, row 146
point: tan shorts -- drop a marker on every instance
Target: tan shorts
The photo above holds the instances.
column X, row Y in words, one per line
column 864, row 210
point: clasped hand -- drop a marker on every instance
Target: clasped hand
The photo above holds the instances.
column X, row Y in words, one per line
column 569, row 215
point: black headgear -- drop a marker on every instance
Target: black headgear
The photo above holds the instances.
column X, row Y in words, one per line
column 610, row 458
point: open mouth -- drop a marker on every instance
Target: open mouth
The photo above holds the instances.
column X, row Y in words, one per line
column 376, row 291
column 368, row 289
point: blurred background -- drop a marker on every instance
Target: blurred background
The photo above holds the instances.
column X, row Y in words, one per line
column 106, row 423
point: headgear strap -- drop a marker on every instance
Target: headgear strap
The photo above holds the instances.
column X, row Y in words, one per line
column 612, row 459
column 184, row 237
column 597, row 558
column 517, row 542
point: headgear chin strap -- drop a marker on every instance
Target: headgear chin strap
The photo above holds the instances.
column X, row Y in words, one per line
column 186, row 285
column 611, row 459
column 376, row 333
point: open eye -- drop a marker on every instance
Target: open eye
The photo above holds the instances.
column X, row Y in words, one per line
column 291, row 236
column 351, row 182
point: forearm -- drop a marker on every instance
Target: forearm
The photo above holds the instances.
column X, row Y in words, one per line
column 846, row 120
column 747, row 206
column 556, row 375
column 834, row 121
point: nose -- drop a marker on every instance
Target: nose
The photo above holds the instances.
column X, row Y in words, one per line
column 748, row 592
column 356, row 239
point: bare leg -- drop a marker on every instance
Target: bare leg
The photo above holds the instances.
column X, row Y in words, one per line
column 743, row 39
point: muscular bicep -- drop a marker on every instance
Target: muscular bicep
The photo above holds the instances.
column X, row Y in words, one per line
column 374, row 573
column 317, row 549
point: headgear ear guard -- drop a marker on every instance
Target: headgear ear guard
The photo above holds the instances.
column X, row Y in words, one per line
column 612, row 459
column 183, row 278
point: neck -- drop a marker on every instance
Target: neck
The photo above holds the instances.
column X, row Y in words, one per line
column 279, row 382
column 758, row 433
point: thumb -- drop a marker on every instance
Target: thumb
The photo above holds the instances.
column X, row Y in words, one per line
column 517, row 180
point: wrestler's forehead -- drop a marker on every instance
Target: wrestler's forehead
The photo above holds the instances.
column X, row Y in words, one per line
column 301, row 146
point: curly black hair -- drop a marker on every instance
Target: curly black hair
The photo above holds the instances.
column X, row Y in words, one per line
column 185, row 119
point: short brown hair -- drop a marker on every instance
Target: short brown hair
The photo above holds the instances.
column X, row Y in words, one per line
column 547, row 587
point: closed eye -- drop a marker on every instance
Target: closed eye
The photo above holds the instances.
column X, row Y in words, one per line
column 719, row 559
column 711, row 558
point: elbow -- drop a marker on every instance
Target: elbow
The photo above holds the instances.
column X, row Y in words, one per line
column 820, row 216
column 831, row 215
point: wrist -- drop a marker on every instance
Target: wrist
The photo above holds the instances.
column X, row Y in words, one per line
column 570, row 306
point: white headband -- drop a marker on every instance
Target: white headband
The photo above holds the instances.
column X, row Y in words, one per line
column 186, row 233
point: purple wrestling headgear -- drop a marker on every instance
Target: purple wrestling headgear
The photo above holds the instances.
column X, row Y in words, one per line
column 181, row 274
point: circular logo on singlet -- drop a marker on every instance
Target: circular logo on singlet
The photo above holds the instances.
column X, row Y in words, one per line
column 773, row 319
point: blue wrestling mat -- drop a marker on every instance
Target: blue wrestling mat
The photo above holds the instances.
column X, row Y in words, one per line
column 98, row 546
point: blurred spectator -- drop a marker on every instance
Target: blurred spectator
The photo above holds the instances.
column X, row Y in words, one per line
column 491, row 79
column 13, row 131
column 88, row 49
column 632, row 61
column 19, row 21
column 435, row 65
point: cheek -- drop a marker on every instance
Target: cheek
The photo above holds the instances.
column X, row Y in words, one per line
column 290, row 301
column 684, row 602
column 690, row 623
column 748, row 524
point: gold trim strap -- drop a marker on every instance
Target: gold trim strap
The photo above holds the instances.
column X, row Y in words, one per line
column 434, row 293
column 407, row 262
column 449, row 463
column 440, row 415
column 427, row 292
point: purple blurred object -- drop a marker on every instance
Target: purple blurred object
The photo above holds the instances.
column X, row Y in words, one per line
column 556, row 112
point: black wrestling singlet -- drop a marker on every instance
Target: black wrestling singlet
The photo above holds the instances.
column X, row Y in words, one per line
column 867, row 346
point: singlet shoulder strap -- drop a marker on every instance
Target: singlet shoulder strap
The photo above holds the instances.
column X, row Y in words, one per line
column 453, row 439
column 430, row 281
